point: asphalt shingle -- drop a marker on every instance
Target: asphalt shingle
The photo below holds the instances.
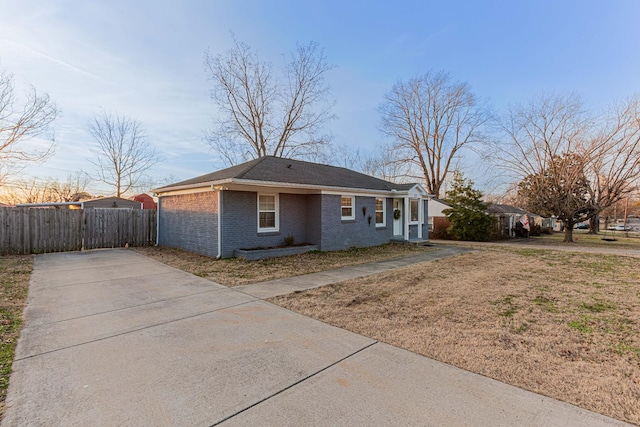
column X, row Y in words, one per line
column 278, row 169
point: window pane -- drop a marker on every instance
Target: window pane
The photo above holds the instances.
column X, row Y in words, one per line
column 347, row 212
column 414, row 210
column 379, row 218
column 346, row 201
column 379, row 204
column 267, row 219
column 267, row 203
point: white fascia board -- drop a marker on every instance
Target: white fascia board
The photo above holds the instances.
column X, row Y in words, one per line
column 207, row 185
column 416, row 191
column 185, row 191
column 321, row 189
column 359, row 192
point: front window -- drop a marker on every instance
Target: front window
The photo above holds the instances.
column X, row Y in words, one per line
column 380, row 213
column 268, row 212
column 430, row 223
column 347, row 203
column 414, row 209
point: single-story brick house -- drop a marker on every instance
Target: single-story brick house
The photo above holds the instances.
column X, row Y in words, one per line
column 261, row 202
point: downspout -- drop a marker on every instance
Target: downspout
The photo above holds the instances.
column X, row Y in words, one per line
column 219, row 223
column 158, row 221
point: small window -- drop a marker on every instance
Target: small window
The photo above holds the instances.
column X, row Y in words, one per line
column 414, row 209
column 380, row 213
column 430, row 223
column 347, row 207
column 268, row 212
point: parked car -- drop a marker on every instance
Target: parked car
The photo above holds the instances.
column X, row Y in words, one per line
column 620, row 228
column 581, row 226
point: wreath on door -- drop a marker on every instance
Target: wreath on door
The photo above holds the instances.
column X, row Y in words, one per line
column 396, row 214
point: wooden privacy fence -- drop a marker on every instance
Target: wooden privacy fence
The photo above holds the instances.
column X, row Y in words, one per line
column 39, row 230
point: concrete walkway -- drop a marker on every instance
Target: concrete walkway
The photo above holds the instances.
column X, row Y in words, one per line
column 288, row 285
column 114, row 338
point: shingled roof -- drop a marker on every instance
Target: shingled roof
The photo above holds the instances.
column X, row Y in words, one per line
column 282, row 170
column 495, row 208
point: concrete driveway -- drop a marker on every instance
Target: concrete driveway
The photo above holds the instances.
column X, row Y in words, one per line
column 114, row 338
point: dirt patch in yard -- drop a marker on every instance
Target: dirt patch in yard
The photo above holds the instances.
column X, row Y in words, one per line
column 566, row 325
column 235, row 271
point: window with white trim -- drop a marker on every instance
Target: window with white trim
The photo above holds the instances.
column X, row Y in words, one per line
column 414, row 210
column 268, row 215
column 381, row 215
column 347, row 207
column 430, row 223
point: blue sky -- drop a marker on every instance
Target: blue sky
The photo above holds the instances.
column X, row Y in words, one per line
column 145, row 59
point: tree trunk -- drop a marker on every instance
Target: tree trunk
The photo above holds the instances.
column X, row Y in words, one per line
column 594, row 224
column 568, row 232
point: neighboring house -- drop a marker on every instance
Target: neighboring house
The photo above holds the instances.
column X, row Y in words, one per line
column 507, row 217
column 111, row 203
column 98, row 203
column 438, row 222
column 146, row 200
column 261, row 202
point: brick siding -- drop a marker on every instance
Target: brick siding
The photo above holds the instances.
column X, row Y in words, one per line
column 189, row 222
column 338, row 234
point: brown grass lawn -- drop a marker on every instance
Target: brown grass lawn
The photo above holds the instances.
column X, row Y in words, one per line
column 566, row 325
column 583, row 238
column 234, row 271
column 15, row 272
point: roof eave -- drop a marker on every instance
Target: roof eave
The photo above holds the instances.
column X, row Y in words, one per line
column 259, row 183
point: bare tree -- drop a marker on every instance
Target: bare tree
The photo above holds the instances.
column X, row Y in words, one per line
column 72, row 189
column 544, row 149
column 124, row 152
column 264, row 115
column 614, row 157
column 30, row 190
column 430, row 120
column 574, row 165
column 20, row 122
column 561, row 190
column 50, row 190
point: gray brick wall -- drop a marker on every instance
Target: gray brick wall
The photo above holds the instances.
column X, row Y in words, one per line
column 338, row 234
column 189, row 222
column 314, row 219
column 240, row 221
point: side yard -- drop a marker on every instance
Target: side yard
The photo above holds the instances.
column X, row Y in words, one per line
column 15, row 272
column 566, row 325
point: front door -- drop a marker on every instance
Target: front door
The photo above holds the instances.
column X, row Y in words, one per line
column 397, row 217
